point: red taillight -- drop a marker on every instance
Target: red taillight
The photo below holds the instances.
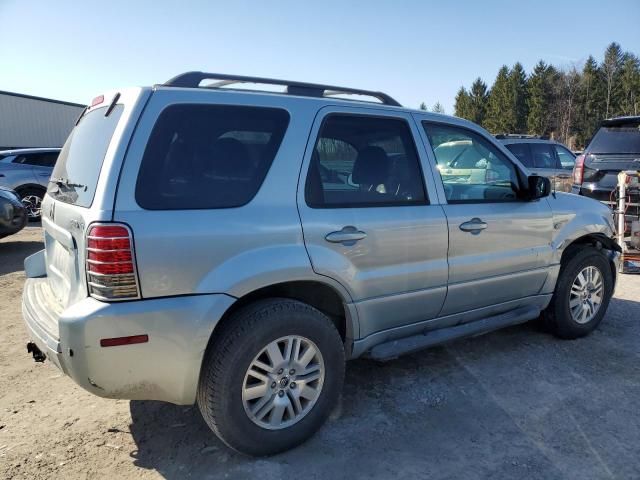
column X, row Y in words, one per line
column 110, row 263
column 578, row 170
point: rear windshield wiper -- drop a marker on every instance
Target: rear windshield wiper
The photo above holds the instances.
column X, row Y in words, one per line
column 63, row 182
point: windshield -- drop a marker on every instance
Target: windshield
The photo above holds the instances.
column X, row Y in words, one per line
column 617, row 139
column 76, row 173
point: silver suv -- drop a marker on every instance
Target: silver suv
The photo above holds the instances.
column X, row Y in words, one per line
column 232, row 248
column 27, row 171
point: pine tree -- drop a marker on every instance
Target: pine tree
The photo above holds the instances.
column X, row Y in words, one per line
column 423, row 106
column 478, row 98
column 462, row 104
column 591, row 101
column 630, row 85
column 540, row 97
column 499, row 104
column 518, row 94
column 611, row 66
column 438, row 108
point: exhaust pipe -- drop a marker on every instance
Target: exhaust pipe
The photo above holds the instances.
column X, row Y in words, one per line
column 33, row 349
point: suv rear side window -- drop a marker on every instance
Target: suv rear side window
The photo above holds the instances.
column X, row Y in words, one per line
column 208, row 156
column 617, row 139
column 522, row 153
column 362, row 161
column 543, row 156
column 80, row 160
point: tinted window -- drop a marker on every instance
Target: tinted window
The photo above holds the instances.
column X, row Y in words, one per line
column 361, row 161
column 80, row 160
column 618, row 139
column 208, row 156
column 472, row 169
column 37, row 159
column 542, row 155
column 522, row 153
column 567, row 159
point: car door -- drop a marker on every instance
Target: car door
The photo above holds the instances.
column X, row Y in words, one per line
column 499, row 244
column 564, row 173
column 370, row 218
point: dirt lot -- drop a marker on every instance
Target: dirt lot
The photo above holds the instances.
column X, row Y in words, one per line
column 514, row 404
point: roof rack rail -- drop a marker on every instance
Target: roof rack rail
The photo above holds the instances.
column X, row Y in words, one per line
column 193, row 80
column 501, row 136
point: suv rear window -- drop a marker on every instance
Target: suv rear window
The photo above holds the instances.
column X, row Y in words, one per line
column 80, row 161
column 208, row 156
column 617, row 139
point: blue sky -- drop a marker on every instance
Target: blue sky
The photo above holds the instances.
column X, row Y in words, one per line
column 414, row 50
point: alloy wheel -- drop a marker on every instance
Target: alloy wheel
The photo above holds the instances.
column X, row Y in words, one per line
column 283, row 382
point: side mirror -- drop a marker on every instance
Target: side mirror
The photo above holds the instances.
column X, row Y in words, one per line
column 539, row 187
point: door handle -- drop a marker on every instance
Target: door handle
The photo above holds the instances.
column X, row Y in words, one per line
column 347, row 236
column 563, row 175
column 475, row 226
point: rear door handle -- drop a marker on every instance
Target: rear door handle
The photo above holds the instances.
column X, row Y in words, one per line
column 347, row 236
column 474, row 226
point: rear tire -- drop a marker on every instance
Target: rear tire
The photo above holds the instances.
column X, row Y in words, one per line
column 31, row 198
column 582, row 295
column 233, row 401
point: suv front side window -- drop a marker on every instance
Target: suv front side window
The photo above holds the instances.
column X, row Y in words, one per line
column 363, row 161
column 472, row 169
column 567, row 159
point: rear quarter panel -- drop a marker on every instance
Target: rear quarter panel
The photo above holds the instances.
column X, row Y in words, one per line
column 231, row 250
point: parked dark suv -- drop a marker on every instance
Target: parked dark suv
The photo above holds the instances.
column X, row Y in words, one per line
column 614, row 147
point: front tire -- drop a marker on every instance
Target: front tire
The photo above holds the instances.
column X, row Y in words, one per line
column 271, row 376
column 583, row 292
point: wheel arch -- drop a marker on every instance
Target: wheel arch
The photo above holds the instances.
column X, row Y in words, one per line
column 321, row 295
column 598, row 241
column 27, row 186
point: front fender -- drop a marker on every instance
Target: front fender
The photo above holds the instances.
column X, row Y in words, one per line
column 575, row 217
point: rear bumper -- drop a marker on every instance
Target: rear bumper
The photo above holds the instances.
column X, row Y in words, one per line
column 165, row 368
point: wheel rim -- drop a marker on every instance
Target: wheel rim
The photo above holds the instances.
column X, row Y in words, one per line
column 586, row 294
column 33, row 205
column 283, row 382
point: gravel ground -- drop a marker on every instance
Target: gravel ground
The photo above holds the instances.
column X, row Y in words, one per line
column 513, row 404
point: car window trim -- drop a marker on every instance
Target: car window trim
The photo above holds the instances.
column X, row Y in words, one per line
column 409, row 203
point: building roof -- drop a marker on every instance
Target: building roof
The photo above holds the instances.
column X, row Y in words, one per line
column 42, row 99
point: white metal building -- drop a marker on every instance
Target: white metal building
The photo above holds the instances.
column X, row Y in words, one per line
column 27, row 121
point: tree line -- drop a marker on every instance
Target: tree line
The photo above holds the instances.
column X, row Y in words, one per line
column 564, row 103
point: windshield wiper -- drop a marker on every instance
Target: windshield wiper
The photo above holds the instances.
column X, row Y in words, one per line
column 63, row 182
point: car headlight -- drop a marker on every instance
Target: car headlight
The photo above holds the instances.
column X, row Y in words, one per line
column 9, row 195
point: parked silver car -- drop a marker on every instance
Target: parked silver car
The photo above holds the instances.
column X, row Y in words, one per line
column 27, row 171
column 544, row 157
column 233, row 248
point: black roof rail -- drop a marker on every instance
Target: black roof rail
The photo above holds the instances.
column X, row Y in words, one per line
column 503, row 136
column 193, row 80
